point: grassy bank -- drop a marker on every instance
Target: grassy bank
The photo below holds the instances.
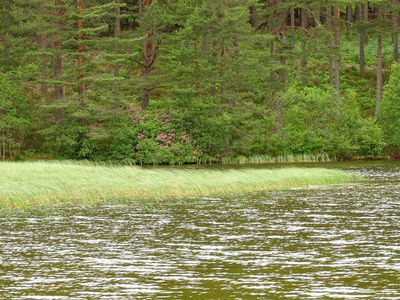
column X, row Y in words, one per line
column 24, row 185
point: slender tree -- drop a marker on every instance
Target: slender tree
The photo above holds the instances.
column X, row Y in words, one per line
column 362, row 36
column 6, row 16
column 395, row 23
column 303, row 43
column 57, row 59
column 349, row 19
column 337, row 44
column 117, row 30
column 292, row 24
column 379, row 79
column 330, row 57
column 149, row 54
column 80, row 51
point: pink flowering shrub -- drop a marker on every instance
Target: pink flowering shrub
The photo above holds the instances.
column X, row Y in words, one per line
column 155, row 138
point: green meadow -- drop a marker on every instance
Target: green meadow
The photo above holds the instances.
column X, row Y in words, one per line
column 29, row 184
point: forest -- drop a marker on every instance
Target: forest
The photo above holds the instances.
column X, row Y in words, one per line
column 189, row 81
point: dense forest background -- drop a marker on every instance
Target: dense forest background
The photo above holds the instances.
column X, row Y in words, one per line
column 160, row 81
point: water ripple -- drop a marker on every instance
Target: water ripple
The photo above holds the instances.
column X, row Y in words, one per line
column 337, row 242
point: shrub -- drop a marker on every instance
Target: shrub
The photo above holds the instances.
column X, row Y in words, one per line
column 155, row 138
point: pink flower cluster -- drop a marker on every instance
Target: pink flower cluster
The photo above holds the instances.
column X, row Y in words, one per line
column 139, row 119
column 159, row 132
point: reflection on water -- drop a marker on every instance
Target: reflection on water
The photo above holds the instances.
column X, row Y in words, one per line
column 337, row 242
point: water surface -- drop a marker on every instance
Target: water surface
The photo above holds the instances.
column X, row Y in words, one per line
column 336, row 242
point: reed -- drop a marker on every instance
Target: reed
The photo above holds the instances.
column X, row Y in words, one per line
column 28, row 184
column 288, row 158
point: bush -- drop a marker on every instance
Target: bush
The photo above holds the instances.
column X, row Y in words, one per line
column 155, row 138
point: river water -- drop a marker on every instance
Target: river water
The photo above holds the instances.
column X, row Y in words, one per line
column 332, row 242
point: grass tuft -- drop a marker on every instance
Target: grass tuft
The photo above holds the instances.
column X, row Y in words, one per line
column 30, row 184
column 289, row 158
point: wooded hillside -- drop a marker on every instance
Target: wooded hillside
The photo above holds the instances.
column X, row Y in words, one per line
column 149, row 81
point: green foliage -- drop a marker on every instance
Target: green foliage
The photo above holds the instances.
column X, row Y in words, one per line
column 390, row 112
column 356, row 136
column 156, row 138
column 237, row 90
column 14, row 118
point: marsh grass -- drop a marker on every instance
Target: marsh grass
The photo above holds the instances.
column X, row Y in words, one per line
column 30, row 184
column 289, row 158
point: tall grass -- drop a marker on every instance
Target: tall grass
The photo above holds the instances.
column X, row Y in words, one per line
column 262, row 159
column 23, row 185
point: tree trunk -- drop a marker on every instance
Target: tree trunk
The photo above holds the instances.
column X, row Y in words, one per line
column 292, row 25
column 357, row 13
column 149, row 56
column 222, row 58
column 349, row 19
column 117, row 30
column 6, row 15
column 365, row 20
column 253, row 17
column 271, row 75
column 43, row 73
column 303, row 44
column 196, row 55
column 362, row 37
column 4, row 146
column 140, row 9
column 379, row 89
column 337, row 44
column 80, row 51
column 57, row 61
column 395, row 21
column 329, row 27
column 281, row 33
column 145, row 97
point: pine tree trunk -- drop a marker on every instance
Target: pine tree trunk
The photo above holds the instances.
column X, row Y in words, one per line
column 253, row 17
column 222, row 58
column 379, row 79
column 303, row 44
column 271, row 75
column 281, row 32
column 149, row 57
column 57, row 60
column 337, row 44
column 349, row 19
column 362, row 37
column 365, row 20
column 330, row 59
column 271, row 100
column 292, row 25
column 43, row 59
column 117, row 30
column 6, row 15
column 357, row 13
column 140, row 9
column 395, row 21
column 80, row 58
column 196, row 56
